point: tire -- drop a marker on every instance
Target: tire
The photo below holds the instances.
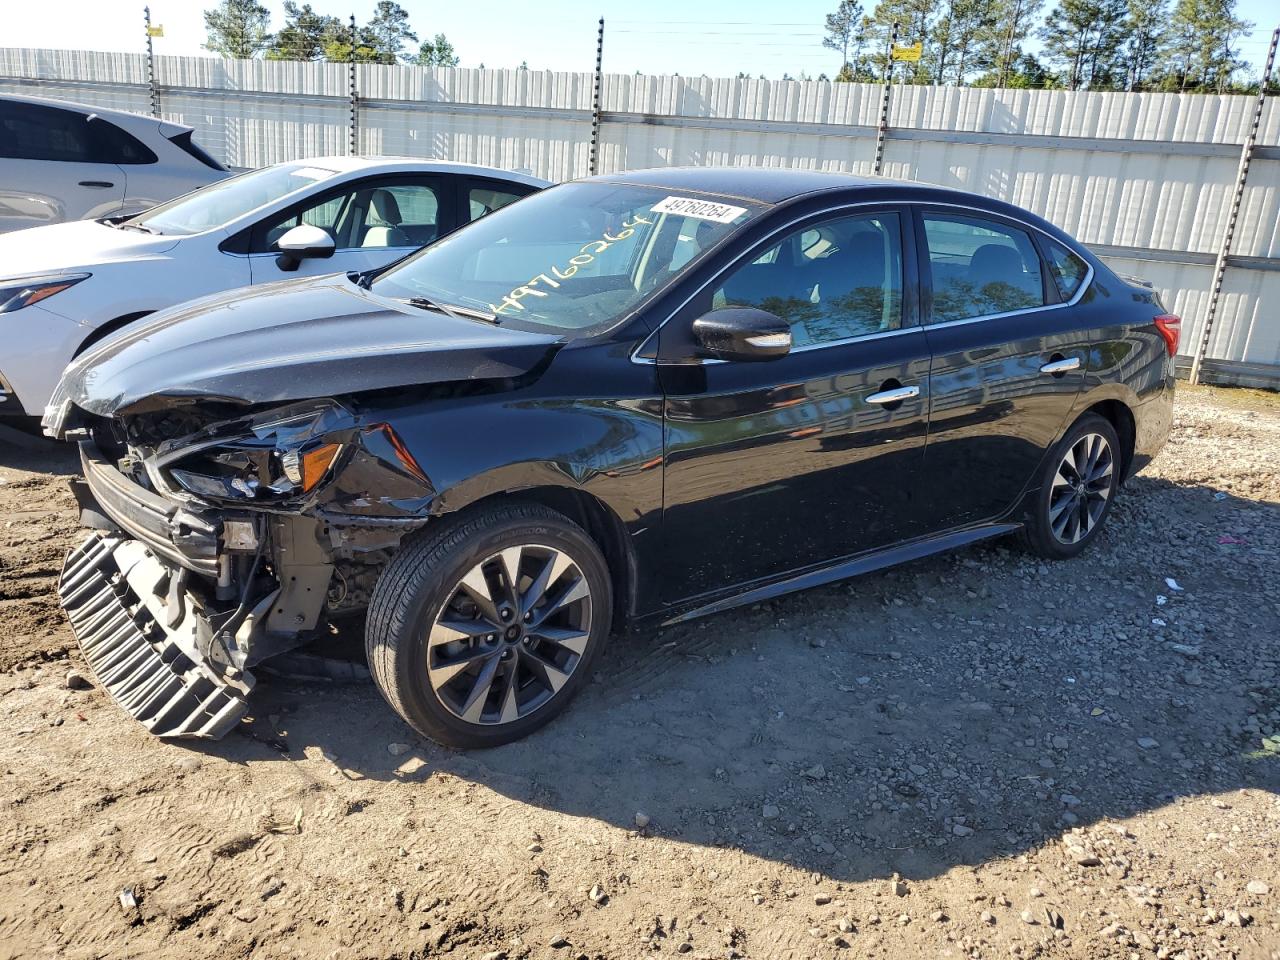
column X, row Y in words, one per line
column 443, row 613
column 1068, row 509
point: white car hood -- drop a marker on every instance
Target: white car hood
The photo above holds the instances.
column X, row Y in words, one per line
column 68, row 247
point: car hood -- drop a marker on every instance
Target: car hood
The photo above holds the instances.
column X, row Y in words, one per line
column 69, row 247
column 295, row 340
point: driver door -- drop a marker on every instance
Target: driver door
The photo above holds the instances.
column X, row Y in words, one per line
column 373, row 222
column 773, row 466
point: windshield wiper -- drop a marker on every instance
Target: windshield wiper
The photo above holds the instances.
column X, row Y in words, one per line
column 452, row 310
column 126, row 225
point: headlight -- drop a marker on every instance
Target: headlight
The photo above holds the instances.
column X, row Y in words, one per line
column 281, row 456
column 24, row 291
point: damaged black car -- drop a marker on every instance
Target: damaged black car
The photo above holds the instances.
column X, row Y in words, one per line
column 629, row 399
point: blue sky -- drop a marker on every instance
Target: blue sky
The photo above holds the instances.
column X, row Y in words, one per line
column 717, row 37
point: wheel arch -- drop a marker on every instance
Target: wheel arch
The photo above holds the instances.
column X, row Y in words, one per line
column 601, row 523
column 1119, row 414
column 104, row 330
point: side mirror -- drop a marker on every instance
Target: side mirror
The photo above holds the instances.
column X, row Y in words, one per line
column 303, row 242
column 742, row 333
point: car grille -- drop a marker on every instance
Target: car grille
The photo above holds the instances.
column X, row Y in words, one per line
column 112, row 590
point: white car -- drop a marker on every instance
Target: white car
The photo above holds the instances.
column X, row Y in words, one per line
column 67, row 161
column 67, row 286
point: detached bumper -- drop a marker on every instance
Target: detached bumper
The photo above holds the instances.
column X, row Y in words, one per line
column 147, row 640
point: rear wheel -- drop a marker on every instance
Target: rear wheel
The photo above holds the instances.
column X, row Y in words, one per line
column 1077, row 487
column 481, row 632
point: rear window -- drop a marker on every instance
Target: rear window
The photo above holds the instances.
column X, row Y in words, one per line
column 1066, row 268
column 110, row 144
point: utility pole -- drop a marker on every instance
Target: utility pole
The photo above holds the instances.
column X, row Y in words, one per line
column 1224, row 249
column 151, row 66
column 594, row 163
column 882, row 131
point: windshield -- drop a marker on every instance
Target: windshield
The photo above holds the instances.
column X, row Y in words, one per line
column 219, row 203
column 573, row 258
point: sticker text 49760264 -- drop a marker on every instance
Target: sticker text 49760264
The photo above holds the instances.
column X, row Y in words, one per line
column 586, row 254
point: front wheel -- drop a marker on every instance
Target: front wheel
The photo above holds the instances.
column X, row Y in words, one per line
column 1077, row 486
column 481, row 632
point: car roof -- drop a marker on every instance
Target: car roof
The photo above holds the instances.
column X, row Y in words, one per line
column 772, row 186
column 345, row 164
column 123, row 118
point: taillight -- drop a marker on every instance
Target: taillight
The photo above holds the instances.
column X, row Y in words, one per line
column 1170, row 328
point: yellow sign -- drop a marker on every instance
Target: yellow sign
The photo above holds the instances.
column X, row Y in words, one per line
column 156, row 31
column 911, row 53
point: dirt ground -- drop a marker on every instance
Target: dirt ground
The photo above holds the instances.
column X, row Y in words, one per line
column 976, row 755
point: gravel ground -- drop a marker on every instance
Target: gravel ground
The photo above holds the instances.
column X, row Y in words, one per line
column 977, row 755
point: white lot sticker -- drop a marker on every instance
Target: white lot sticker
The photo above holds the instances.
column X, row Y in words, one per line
column 699, row 209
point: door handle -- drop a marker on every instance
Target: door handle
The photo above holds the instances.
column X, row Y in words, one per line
column 1056, row 367
column 103, row 184
column 896, row 395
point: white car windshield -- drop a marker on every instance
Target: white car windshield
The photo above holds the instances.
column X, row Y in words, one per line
column 219, row 203
column 575, row 258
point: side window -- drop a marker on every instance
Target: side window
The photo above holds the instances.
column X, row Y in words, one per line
column 839, row 279
column 327, row 214
column 113, row 145
column 400, row 215
column 1066, row 268
column 30, row 132
column 980, row 267
column 484, row 200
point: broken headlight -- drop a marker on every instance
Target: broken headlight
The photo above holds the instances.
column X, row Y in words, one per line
column 281, row 455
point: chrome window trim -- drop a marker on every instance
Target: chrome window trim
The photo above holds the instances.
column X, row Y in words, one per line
column 1075, row 299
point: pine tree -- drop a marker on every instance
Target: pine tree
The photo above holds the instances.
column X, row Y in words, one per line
column 1147, row 23
column 1085, row 37
column 437, row 52
column 956, row 50
column 846, row 30
column 237, row 29
column 389, row 31
column 999, row 44
column 915, row 19
column 1202, row 38
column 303, row 35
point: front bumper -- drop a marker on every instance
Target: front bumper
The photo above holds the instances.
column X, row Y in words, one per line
column 148, row 641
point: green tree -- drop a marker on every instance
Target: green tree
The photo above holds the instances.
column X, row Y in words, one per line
column 957, row 49
column 1086, row 38
column 999, row 45
column 915, row 19
column 237, row 29
column 437, row 52
column 846, row 29
column 1202, row 38
column 304, row 33
column 1147, row 24
column 389, row 31
column 338, row 45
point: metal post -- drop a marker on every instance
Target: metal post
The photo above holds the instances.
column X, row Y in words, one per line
column 594, row 164
column 882, row 131
column 151, row 66
column 351, row 85
column 1220, row 265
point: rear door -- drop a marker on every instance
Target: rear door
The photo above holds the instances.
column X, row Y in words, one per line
column 53, row 167
column 373, row 221
column 1009, row 359
column 777, row 465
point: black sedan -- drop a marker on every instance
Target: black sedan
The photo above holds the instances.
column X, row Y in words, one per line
column 629, row 399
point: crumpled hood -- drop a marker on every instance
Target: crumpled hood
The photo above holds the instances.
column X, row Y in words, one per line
column 73, row 247
column 295, row 340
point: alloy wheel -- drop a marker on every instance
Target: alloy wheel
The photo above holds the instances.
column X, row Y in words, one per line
column 510, row 635
column 1081, row 488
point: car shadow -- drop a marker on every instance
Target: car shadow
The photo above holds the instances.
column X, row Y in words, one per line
column 959, row 709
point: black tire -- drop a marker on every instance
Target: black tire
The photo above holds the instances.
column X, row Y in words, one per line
column 1041, row 534
column 423, row 585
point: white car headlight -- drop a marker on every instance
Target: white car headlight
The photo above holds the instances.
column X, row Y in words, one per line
column 24, row 291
